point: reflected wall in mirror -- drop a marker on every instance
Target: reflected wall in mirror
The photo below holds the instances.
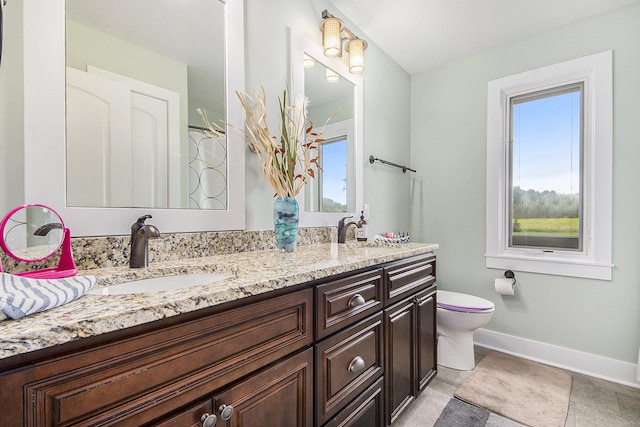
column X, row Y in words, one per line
column 333, row 190
column 337, row 190
column 135, row 77
column 173, row 210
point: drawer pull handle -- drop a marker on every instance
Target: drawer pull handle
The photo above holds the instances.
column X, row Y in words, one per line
column 226, row 411
column 208, row 420
column 356, row 300
column 357, row 364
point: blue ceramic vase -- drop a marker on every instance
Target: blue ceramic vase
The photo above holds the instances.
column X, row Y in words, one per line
column 285, row 221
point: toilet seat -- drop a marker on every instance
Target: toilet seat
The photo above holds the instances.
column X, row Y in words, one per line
column 456, row 301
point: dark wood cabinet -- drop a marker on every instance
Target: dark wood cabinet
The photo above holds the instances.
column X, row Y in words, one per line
column 408, row 276
column 367, row 410
column 341, row 302
column 281, row 395
column 190, row 417
column 351, row 350
column 346, row 364
column 402, row 294
column 427, row 363
column 410, row 332
column 141, row 378
column 400, row 345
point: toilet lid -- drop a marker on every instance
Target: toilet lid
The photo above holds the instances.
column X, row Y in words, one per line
column 462, row 302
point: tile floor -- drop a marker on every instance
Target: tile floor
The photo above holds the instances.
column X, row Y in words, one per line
column 593, row 402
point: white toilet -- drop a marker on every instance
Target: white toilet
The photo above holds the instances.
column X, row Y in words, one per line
column 458, row 316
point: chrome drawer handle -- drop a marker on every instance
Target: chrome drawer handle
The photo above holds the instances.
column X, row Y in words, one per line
column 226, row 411
column 356, row 300
column 357, row 364
column 208, row 420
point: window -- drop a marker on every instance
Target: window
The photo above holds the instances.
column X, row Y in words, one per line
column 332, row 177
column 545, row 157
column 333, row 190
column 549, row 139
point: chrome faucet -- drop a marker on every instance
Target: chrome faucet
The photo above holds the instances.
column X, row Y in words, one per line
column 140, row 235
column 342, row 228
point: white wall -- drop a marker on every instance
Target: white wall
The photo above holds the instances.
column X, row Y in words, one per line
column 448, row 147
column 386, row 108
column 11, row 111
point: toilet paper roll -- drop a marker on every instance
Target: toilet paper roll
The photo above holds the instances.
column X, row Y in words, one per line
column 503, row 286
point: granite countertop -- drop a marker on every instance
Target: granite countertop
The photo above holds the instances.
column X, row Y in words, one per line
column 253, row 273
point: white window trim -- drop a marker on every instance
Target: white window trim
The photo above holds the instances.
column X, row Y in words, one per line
column 595, row 261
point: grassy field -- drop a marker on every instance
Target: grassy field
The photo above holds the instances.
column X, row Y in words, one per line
column 548, row 226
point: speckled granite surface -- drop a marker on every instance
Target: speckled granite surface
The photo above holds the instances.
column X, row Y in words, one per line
column 113, row 251
column 254, row 272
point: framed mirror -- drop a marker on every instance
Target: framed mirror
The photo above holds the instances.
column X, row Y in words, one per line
column 133, row 94
column 101, row 186
column 330, row 89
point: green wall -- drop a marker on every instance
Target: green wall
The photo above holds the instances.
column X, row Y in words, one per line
column 386, row 107
column 339, row 110
column 448, row 147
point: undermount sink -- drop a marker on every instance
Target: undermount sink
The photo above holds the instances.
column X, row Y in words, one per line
column 164, row 283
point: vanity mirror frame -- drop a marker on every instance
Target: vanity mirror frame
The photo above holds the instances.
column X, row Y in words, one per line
column 300, row 46
column 45, row 124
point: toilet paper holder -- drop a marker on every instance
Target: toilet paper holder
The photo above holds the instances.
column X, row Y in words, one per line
column 510, row 275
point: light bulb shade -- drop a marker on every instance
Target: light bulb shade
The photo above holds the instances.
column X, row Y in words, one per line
column 331, row 76
column 356, row 49
column 309, row 62
column 331, row 41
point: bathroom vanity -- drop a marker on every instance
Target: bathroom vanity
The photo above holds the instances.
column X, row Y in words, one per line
column 328, row 335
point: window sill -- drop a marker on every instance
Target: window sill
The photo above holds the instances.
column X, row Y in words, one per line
column 539, row 262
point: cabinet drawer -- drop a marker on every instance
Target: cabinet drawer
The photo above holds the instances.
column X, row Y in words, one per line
column 367, row 410
column 133, row 381
column 346, row 364
column 408, row 276
column 190, row 417
column 341, row 303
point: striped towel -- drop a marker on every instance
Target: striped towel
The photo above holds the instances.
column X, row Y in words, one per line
column 21, row 296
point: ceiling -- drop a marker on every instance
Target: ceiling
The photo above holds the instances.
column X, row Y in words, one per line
column 422, row 34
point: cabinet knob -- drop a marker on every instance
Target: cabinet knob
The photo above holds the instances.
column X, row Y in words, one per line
column 208, row 420
column 357, row 364
column 226, row 411
column 356, row 300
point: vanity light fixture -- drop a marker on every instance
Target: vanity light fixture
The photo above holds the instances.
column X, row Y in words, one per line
column 334, row 33
column 331, row 40
column 356, row 49
column 309, row 62
column 331, row 76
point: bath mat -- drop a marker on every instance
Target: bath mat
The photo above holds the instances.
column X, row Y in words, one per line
column 458, row 413
column 528, row 392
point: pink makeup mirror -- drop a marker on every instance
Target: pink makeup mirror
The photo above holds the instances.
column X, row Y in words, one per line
column 33, row 233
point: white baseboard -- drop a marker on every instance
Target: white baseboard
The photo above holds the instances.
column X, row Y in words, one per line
column 561, row 357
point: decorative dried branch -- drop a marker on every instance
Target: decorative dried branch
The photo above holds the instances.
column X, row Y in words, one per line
column 286, row 161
